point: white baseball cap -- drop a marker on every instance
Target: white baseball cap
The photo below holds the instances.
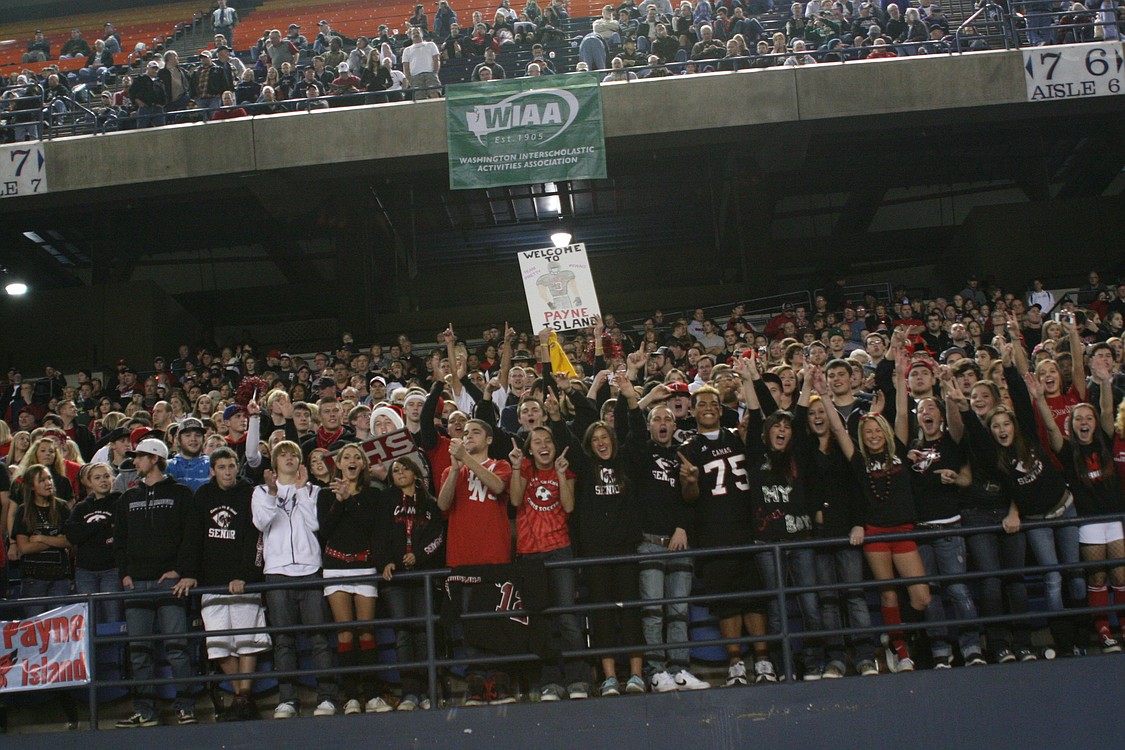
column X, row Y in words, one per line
column 150, row 447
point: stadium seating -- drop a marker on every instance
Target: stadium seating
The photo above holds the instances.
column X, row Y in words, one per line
column 142, row 24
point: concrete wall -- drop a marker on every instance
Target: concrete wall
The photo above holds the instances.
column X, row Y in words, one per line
column 1071, row 703
column 682, row 105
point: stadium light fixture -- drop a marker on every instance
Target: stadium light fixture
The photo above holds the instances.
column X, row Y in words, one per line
column 561, row 238
column 13, row 285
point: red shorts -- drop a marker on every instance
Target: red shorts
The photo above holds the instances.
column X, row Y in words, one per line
column 895, row 548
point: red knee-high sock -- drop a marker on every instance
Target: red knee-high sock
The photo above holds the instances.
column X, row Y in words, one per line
column 1098, row 596
column 892, row 616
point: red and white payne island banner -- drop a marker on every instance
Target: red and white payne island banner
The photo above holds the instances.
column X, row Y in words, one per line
column 46, row 651
column 559, row 287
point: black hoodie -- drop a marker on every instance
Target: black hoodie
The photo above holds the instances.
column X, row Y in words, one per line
column 229, row 543
column 152, row 533
column 90, row 530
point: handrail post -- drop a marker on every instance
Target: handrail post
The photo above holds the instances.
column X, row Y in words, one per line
column 92, row 655
column 431, row 646
column 786, row 651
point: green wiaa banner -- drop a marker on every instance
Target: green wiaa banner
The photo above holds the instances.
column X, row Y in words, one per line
column 527, row 130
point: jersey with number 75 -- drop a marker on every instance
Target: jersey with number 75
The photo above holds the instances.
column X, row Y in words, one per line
column 724, row 488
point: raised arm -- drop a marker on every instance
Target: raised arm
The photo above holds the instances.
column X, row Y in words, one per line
column 746, row 369
column 517, row 484
column 506, row 357
column 1106, row 415
column 449, row 486
column 1019, row 353
column 1035, row 391
column 1077, row 354
column 835, row 421
column 566, row 482
column 427, row 432
column 954, row 402
column 902, row 409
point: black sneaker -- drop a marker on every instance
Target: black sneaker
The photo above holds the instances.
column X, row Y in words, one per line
column 137, row 720
column 186, row 716
column 1004, row 656
column 1025, row 654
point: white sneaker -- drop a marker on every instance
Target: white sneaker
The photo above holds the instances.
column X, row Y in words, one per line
column 285, row 711
column 905, row 665
column 833, row 671
column 892, row 658
column 685, row 680
column 378, row 706
column 326, row 708
column 352, row 707
column 409, row 703
column 662, row 682
column 764, row 672
column 425, row 704
column 736, row 674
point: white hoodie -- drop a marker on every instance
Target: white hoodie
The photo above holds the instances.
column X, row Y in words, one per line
column 288, row 523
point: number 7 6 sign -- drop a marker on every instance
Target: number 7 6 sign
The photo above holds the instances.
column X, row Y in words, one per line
column 1073, row 71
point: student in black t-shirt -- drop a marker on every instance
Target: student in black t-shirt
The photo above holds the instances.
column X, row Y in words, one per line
column 1087, row 457
column 44, row 557
column 834, row 484
column 779, row 461
column 880, row 463
column 940, row 470
column 713, row 477
column 1038, row 491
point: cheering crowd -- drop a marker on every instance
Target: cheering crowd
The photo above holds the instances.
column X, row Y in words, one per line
column 967, row 415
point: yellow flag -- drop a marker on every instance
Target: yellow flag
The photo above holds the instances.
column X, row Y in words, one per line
column 559, row 361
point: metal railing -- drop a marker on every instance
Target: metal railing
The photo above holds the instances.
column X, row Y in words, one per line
column 990, row 17
column 778, row 590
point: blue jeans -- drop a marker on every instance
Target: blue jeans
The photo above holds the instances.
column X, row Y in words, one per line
column 592, row 51
column 96, row 582
column 566, row 630
column 946, row 556
column 408, row 599
column 1052, row 546
column 150, row 117
column 32, row 588
column 801, row 570
column 144, row 617
column 668, row 623
column 996, row 551
column 844, row 565
column 299, row 607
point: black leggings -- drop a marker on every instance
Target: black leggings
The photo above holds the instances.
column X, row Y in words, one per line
column 616, row 582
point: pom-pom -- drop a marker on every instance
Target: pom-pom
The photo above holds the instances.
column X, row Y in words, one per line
column 248, row 388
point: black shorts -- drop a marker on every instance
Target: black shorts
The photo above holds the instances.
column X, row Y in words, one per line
column 731, row 574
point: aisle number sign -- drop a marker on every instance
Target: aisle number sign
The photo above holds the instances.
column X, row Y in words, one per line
column 1073, row 71
column 23, row 170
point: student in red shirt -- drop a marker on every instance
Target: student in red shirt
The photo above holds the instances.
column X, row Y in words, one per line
column 474, row 496
column 542, row 491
